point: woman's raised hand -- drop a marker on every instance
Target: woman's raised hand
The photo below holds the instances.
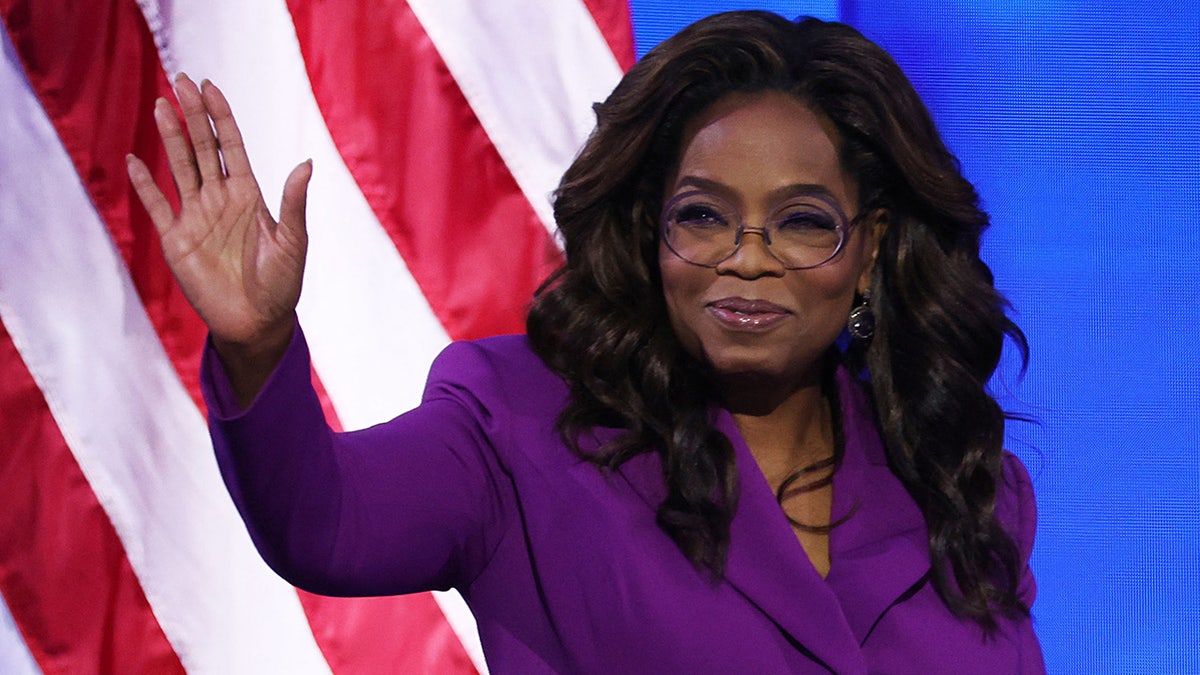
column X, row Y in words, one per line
column 238, row 268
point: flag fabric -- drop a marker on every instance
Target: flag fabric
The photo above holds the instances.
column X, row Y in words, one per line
column 438, row 129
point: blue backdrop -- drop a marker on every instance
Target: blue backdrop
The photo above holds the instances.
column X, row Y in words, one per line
column 1080, row 125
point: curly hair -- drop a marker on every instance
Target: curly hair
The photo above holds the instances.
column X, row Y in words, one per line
column 601, row 321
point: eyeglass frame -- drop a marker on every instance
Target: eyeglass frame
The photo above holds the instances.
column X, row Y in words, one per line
column 844, row 227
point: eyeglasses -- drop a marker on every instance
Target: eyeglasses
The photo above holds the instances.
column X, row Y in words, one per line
column 801, row 232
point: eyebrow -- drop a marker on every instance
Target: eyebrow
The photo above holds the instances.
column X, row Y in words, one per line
column 719, row 188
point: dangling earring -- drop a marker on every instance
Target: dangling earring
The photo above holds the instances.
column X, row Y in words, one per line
column 862, row 319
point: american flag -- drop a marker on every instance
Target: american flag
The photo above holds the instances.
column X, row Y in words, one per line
column 438, row 129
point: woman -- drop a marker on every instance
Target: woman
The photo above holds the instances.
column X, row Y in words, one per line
column 690, row 464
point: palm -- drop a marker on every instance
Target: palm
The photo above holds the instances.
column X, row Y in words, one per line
column 236, row 266
column 239, row 268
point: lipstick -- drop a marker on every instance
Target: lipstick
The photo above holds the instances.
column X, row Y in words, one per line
column 743, row 314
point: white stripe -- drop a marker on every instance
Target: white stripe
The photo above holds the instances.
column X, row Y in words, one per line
column 531, row 72
column 372, row 334
column 136, row 435
column 154, row 21
column 15, row 658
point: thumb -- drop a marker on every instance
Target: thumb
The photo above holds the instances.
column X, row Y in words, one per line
column 295, row 198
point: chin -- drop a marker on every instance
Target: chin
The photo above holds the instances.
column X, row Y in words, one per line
column 747, row 362
column 766, row 361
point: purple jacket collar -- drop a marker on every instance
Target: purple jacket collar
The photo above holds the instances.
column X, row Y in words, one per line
column 878, row 556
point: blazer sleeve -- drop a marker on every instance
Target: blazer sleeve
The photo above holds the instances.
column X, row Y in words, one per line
column 416, row 503
column 1018, row 512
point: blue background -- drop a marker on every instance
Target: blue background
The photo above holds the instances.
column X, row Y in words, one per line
column 1080, row 125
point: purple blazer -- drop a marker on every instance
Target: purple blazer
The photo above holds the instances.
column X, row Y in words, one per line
column 562, row 562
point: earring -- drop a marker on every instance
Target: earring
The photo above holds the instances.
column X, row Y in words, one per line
column 861, row 323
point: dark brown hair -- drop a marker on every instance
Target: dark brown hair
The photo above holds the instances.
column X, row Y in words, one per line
column 601, row 321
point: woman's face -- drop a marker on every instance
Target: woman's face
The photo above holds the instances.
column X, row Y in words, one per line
column 750, row 316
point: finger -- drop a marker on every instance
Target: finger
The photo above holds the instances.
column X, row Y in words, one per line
column 204, row 142
column 179, row 152
column 295, row 199
column 228, row 135
column 147, row 191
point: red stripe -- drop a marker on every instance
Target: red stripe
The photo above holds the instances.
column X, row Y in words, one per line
column 612, row 16
column 63, row 570
column 396, row 634
column 430, row 173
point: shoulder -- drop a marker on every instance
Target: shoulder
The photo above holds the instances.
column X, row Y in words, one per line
column 498, row 355
column 493, row 372
column 1016, row 506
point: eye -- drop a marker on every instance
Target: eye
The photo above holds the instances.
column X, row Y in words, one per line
column 800, row 220
column 699, row 216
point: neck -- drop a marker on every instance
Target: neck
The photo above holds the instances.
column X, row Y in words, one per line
column 786, row 428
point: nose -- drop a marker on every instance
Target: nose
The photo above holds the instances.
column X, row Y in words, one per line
column 752, row 258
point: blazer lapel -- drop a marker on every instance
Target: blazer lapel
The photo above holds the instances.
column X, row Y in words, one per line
column 878, row 555
column 766, row 563
column 768, row 566
column 882, row 552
